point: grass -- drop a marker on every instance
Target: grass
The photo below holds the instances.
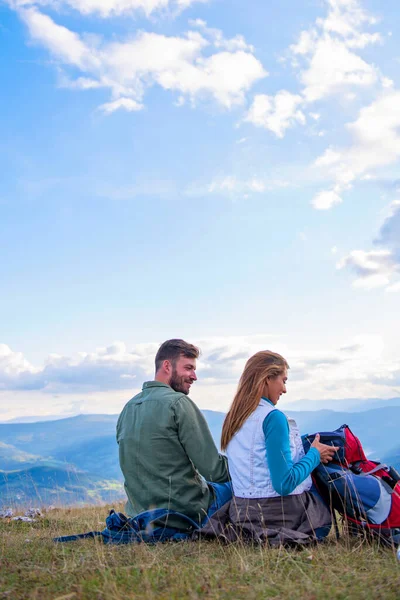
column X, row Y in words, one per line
column 32, row 567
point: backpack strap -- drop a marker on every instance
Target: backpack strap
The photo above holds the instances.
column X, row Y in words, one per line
column 379, row 467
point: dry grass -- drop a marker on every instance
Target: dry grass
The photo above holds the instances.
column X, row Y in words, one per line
column 33, row 567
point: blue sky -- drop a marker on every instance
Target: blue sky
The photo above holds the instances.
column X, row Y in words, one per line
column 223, row 171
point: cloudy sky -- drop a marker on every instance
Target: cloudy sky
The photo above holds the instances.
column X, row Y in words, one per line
column 226, row 171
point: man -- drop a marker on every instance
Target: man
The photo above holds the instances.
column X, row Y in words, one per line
column 166, row 451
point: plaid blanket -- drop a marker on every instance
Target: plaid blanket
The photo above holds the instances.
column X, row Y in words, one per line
column 287, row 520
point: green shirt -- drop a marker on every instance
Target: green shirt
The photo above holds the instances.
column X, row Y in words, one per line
column 166, row 453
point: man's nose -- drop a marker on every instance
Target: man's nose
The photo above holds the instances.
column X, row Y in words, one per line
column 194, row 376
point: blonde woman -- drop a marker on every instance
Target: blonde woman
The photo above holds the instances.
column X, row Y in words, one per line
column 270, row 472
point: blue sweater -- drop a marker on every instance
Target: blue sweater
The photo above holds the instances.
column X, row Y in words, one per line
column 285, row 475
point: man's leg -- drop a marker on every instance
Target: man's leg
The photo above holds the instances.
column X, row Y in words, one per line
column 222, row 495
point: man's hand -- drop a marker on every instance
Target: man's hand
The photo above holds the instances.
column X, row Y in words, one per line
column 326, row 452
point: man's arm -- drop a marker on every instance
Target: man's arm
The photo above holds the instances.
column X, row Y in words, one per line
column 195, row 437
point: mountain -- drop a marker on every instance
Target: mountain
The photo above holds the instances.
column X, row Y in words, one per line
column 392, row 458
column 45, row 438
column 347, row 405
column 85, row 437
column 97, row 456
column 33, row 419
column 215, row 421
column 35, row 459
column 13, row 458
column 45, row 485
column 76, row 459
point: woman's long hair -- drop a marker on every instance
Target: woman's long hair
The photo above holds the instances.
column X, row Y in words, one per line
column 258, row 369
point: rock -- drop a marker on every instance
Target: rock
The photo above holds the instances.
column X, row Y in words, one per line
column 33, row 512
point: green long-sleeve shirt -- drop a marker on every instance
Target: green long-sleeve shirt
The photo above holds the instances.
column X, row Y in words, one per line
column 164, row 446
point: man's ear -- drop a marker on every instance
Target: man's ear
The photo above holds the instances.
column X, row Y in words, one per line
column 167, row 366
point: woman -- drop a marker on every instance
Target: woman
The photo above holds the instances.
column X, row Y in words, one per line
column 269, row 470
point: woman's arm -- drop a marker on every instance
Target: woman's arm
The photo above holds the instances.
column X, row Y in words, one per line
column 285, row 475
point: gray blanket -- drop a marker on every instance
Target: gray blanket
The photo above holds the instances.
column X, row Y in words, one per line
column 288, row 520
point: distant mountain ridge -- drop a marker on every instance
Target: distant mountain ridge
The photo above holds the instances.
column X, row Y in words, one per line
column 336, row 405
column 341, row 405
column 76, row 459
column 36, row 419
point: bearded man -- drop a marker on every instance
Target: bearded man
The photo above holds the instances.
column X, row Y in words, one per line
column 166, row 452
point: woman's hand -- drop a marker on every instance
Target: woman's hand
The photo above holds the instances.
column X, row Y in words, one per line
column 326, row 452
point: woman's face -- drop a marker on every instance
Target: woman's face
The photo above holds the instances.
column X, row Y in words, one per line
column 276, row 386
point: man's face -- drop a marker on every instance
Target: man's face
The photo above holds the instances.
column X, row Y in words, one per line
column 183, row 374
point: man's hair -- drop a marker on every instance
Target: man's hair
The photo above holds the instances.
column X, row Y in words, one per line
column 172, row 350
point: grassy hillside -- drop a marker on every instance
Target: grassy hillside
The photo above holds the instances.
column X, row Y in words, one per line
column 32, row 567
column 12, row 458
column 46, row 485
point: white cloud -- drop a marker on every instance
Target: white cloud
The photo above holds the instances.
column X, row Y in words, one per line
column 326, row 200
column 333, row 67
column 108, row 8
column 13, row 367
column 327, row 63
column 232, row 184
column 125, row 103
column 379, row 268
column 62, row 43
column 389, row 234
column 373, row 269
column 103, row 380
column 129, row 67
column 375, row 144
column 387, row 83
column 81, row 83
column 104, row 369
column 219, row 41
column 276, row 113
column 115, row 367
column 326, row 51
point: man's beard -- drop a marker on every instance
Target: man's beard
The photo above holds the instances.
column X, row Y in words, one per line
column 179, row 384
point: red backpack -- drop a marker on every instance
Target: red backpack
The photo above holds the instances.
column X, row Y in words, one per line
column 364, row 492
